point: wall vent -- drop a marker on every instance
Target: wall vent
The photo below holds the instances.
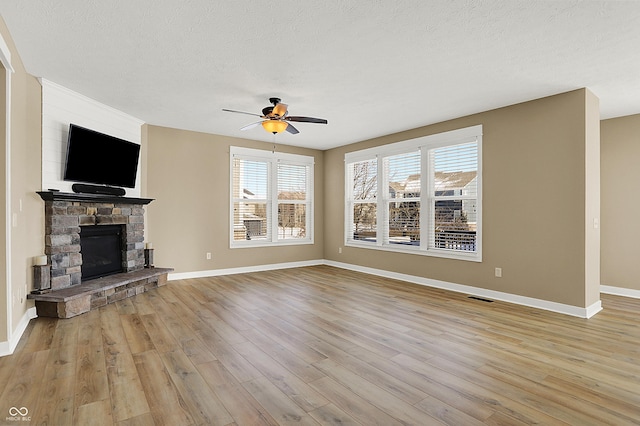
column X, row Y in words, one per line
column 480, row 299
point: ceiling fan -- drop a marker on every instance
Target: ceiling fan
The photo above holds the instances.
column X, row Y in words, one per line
column 276, row 118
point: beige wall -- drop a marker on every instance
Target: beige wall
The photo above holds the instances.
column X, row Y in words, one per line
column 592, row 199
column 534, row 203
column 28, row 228
column 187, row 173
column 620, row 139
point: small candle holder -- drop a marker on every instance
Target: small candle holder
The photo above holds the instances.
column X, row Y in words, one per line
column 41, row 276
column 148, row 258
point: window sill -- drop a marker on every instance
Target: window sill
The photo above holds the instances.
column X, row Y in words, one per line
column 447, row 254
column 281, row 243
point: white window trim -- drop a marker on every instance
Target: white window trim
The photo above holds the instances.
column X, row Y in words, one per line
column 273, row 158
column 5, row 59
column 459, row 136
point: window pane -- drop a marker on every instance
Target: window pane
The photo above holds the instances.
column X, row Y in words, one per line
column 365, row 180
column 404, row 223
column 292, row 182
column 456, row 170
column 250, row 179
column 292, row 221
column 453, row 230
column 364, row 222
column 250, row 221
column 403, row 175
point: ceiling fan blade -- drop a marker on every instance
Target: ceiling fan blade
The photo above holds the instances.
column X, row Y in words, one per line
column 280, row 110
column 291, row 129
column 241, row 112
column 307, row 120
column 250, row 126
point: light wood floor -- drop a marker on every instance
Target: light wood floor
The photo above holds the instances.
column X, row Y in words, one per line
column 321, row 345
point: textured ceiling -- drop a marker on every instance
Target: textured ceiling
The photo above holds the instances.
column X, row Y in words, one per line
column 370, row 67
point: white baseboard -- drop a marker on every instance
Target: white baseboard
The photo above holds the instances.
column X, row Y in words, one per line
column 620, row 291
column 7, row 347
column 546, row 305
column 243, row 269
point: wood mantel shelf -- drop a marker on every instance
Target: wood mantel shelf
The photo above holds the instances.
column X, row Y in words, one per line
column 96, row 198
column 78, row 299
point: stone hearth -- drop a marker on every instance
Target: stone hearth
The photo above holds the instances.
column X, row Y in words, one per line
column 75, row 300
column 65, row 215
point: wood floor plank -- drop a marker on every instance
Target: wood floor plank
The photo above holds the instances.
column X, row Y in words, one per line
column 145, row 419
column 302, row 368
column 66, row 333
column 279, row 406
column 41, row 335
column 375, row 395
column 55, row 405
column 288, row 383
column 165, row 402
column 357, row 407
column 322, row 345
column 136, row 334
column 188, row 341
column 331, row 415
column 446, row 413
column 61, row 362
column 126, row 392
column 143, row 304
column 199, row 399
column 500, row 402
column 241, row 405
column 90, row 329
column 91, row 382
column 96, row 413
column 23, row 388
column 161, row 337
column 396, row 386
column 450, row 397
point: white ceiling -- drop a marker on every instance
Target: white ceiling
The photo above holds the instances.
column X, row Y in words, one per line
column 370, row 67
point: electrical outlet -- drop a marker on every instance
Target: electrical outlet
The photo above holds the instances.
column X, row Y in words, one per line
column 339, row 250
column 499, row 272
column 208, row 256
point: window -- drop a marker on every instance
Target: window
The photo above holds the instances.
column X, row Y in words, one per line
column 419, row 196
column 271, row 198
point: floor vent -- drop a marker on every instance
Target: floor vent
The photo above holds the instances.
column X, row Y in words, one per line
column 480, row 299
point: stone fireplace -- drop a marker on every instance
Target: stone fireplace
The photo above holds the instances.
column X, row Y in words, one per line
column 64, row 220
column 68, row 216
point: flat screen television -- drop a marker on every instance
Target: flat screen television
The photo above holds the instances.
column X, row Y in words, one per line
column 97, row 158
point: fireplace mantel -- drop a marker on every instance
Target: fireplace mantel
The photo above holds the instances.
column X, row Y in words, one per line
column 95, row 198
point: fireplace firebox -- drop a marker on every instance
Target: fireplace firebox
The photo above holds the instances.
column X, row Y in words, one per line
column 101, row 249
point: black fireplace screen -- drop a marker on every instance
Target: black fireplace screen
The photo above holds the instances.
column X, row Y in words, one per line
column 101, row 249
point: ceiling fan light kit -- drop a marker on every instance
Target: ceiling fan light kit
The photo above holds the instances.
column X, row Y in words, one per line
column 274, row 126
column 277, row 118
